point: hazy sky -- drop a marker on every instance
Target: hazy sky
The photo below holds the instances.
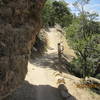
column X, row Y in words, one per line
column 93, row 6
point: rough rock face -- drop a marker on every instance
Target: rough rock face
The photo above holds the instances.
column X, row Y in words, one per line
column 19, row 24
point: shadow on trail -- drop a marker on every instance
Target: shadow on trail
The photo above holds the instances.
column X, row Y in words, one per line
column 51, row 61
column 37, row 92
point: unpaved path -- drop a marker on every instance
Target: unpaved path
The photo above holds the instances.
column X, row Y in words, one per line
column 44, row 80
column 41, row 79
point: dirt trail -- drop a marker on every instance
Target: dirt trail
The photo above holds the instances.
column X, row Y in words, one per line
column 41, row 79
column 56, row 36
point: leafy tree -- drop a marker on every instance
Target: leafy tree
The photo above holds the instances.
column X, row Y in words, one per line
column 84, row 39
column 56, row 12
column 62, row 13
column 47, row 14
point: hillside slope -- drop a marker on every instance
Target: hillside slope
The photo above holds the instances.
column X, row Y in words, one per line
column 42, row 80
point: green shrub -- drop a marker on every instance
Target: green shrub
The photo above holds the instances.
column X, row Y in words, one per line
column 56, row 12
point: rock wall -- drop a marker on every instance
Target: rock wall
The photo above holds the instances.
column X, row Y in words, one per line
column 19, row 24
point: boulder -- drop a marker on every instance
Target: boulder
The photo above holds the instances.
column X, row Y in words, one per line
column 19, row 24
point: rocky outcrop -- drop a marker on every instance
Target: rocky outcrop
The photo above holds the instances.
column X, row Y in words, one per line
column 19, row 24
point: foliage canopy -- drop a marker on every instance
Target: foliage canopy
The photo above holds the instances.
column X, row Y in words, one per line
column 56, row 12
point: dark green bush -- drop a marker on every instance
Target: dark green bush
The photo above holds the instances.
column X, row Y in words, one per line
column 56, row 12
